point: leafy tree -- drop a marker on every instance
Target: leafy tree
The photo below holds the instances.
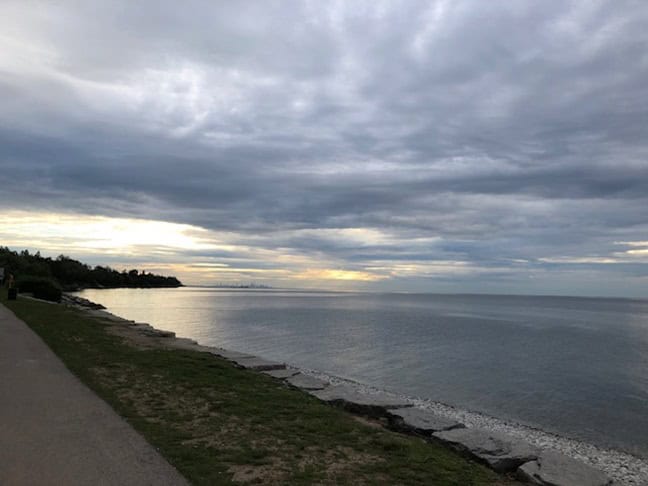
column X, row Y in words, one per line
column 71, row 274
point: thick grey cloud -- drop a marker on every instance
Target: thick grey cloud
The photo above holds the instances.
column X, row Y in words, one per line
column 510, row 137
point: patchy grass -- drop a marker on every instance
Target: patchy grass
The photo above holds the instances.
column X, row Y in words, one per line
column 219, row 424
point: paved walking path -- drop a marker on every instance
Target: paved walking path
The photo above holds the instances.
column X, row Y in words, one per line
column 55, row 431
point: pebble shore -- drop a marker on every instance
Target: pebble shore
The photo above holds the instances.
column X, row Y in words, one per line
column 623, row 468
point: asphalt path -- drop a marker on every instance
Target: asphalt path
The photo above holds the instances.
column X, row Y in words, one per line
column 56, row 431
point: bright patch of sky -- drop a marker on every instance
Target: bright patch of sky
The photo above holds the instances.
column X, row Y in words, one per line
column 462, row 146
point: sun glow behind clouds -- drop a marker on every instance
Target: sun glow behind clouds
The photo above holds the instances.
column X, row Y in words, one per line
column 85, row 234
column 334, row 274
column 305, row 258
column 194, row 254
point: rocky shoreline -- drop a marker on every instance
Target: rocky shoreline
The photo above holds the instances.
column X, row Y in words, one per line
column 75, row 300
column 503, row 449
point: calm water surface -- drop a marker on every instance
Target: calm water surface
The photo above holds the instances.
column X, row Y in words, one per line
column 574, row 366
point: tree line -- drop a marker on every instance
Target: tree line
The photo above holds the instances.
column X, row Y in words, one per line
column 71, row 274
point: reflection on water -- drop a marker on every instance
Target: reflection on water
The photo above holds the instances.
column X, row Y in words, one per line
column 575, row 366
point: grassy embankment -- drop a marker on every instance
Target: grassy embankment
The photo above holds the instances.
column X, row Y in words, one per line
column 218, row 424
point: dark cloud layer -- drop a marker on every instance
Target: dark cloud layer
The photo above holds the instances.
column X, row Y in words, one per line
column 509, row 137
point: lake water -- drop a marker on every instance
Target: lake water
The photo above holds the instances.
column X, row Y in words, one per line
column 573, row 366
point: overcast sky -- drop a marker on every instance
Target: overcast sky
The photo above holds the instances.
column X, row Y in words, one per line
column 442, row 146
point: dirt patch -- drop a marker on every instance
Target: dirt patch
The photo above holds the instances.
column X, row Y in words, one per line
column 331, row 464
column 370, row 422
column 267, row 474
column 338, row 462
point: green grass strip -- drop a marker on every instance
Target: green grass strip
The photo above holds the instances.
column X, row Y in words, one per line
column 218, row 424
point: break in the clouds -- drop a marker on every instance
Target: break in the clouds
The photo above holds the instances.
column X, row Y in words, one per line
column 436, row 146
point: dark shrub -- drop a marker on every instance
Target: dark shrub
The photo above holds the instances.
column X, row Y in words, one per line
column 42, row 287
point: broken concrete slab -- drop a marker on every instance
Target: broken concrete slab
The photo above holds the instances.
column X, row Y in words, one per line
column 347, row 397
column 500, row 452
column 422, row 422
column 148, row 330
column 306, row 382
column 141, row 326
column 554, row 469
column 102, row 314
column 161, row 333
column 231, row 355
column 182, row 341
column 258, row 364
column 187, row 344
column 80, row 302
column 282, row 374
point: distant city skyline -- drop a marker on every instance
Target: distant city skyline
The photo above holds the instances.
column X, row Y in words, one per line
column 467, row 146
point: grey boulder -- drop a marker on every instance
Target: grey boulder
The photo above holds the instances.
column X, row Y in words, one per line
column 306, row 382
column 422, row 422
column 258, row 364
column 501, row 453
column 161, row 333
column 282, row 374
column 373, row 404
column 231, row 355
column 102, row 314
column 554, row 469
column 188, row 345
column 148, row 330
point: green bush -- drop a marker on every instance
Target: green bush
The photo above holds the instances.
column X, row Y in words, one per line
column 42, row 287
